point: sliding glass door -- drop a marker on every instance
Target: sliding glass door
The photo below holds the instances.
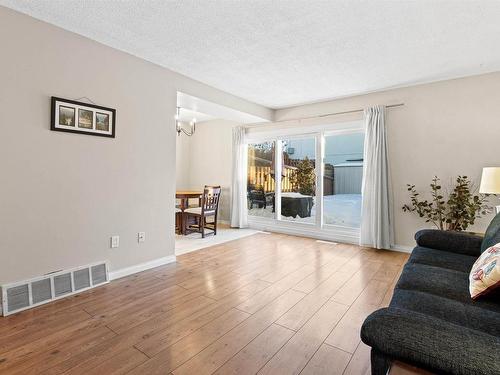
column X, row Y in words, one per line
column 261, row 179
column 298, row 179
column 311, row 181
column 342, row 178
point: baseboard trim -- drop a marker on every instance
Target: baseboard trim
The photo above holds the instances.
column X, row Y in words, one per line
column 344, row 236
column 328, row 242
column 113, row 275
column 402, row 248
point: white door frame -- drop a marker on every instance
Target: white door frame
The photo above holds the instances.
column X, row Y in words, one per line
column 318, row 229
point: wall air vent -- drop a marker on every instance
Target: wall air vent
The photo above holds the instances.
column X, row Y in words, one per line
column 82, row 279
column 99, row 274
column 18, row 297
column 41, row 291
column 62, row 284
column 26, row 294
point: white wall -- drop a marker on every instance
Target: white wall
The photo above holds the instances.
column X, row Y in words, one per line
column 63, row 195
column 209, row 161
column 182, row 162
column 444, row 129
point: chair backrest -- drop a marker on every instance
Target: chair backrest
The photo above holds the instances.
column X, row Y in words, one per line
column 492, row 235
column 210, row 199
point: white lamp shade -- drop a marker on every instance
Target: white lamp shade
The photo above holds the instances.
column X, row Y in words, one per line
column 490, row 181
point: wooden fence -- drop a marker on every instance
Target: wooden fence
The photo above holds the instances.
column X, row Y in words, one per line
column 262, row 176
column 343, row 180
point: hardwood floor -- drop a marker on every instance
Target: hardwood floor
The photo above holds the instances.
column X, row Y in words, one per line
column 266, row 304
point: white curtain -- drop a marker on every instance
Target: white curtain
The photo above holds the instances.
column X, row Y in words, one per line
column 376, row 217
column 239, row 183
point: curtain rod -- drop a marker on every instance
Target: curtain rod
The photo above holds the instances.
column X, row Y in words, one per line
column 335, row 113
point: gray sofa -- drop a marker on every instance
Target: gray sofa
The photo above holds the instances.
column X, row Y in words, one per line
column 432, row 322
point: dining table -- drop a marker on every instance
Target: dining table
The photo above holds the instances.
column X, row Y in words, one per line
column 184, row 196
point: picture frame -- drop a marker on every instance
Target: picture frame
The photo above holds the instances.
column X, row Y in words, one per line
column 72, row 116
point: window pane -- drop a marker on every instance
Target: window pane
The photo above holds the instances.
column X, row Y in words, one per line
column 260, row 179
column 298, row 180
column 342, row 179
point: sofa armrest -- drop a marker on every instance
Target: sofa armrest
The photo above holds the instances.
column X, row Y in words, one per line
column 454, row 242
column 431, row 343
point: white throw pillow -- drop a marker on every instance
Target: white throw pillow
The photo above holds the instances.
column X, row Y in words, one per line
column 485, row 273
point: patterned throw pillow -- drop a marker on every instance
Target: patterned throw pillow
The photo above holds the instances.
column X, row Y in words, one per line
column 485, row 273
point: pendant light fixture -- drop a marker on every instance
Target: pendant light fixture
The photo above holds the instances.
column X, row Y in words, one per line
column 178, row 125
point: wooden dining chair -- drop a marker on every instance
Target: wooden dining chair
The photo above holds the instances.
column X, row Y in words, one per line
column 178, row 221
column 208, row 208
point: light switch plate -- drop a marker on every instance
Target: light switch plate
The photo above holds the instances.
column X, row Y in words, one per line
column 115, row 241
column 141, row 236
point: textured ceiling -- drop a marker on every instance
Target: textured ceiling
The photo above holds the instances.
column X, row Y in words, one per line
column 282, row 53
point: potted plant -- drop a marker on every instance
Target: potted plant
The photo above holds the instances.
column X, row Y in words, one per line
column 456, row 211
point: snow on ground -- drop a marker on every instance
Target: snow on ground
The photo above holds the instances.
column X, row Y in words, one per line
column 340, row 209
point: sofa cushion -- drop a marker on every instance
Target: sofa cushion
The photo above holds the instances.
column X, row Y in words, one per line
column 492, row 235
column 443, row 282
column 485, row 274
column 455, row 242
column 452, row 311
column 443, row 259
column 431, row 343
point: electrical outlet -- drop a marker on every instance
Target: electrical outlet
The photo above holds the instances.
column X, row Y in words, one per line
column 115, row 241
column 141, row 236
